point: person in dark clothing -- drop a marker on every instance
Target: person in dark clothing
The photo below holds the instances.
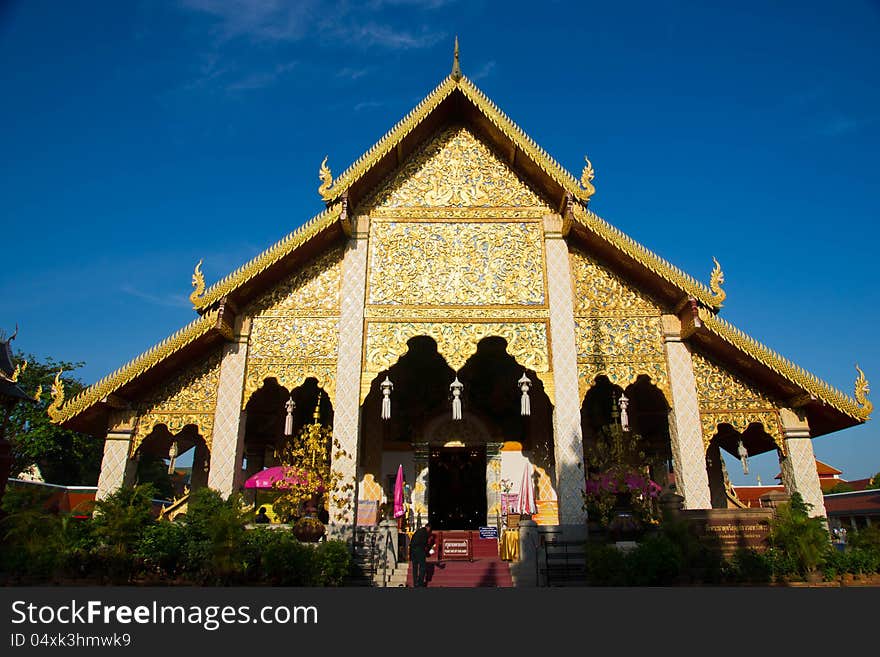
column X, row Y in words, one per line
column 261, row 517
column 420, row 544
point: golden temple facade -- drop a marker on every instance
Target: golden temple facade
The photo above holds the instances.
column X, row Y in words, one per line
column 457, row 251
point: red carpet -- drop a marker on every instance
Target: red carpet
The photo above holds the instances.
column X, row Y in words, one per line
column 486, row 570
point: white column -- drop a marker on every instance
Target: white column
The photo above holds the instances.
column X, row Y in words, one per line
column 228, row 440
column 799, row 464
column 567, row 437
column 115, row 464
column 685, row 429
column 346, row 412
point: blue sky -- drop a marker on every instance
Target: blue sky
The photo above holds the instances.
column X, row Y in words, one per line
column 141, row 136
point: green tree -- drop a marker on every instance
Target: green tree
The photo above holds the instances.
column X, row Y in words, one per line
column 875, row 481
column 63, row 456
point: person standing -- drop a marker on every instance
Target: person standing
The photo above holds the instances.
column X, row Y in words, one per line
column 420, row 543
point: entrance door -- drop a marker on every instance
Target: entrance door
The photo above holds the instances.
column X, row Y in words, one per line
column 457, row 487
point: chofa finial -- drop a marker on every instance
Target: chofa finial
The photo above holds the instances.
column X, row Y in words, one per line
column 716, row 280
column 54, row 410
column 326, row 177
column 456, row 65
column 587, row 176
column 198, row 283
column 862, row 390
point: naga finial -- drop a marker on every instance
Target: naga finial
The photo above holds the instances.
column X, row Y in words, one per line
column 587, row 176
column 21, row 367
column 54, row 409
column 198, row 283
column 326, row 177
column 456, row 65
column 861, row 392
column 38, row 393
column 715, row 282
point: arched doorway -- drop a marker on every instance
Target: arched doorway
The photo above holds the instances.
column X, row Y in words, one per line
column 452, row 465
column 172, row 463
column 741, row 445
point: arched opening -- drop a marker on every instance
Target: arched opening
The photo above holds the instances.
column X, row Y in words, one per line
column 172, row 463
column 448, row 462
column 266, row 419
column 740, row 446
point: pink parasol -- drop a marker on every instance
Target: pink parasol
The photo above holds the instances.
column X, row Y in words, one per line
column 525, row 505
column 281, row 476
column 398, row 493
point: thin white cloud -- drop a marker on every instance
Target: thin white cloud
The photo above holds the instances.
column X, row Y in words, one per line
column 484, row 71
column 167, row 300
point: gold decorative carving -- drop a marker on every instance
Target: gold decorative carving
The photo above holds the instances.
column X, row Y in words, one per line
column 456, row 342
column 311, row 291
column 805, row 380
column 290, row 375
column 587, row 176
column 740, row 421
column 198, row 283
column 466, row 264
column 326, row 177
column 19, row 368
column 175, row 423
column 188, row 397
column 619, row 337
column 725, row 398
column 294, row 338
column 455, row 170
column 426, row 213
column 460, row 313
column 601, row 292
column 623, row 374
column 861, row 391
column 54, row 409
column 715, row 282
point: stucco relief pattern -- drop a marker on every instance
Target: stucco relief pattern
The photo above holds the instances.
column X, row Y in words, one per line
column 799, row 473
column 113, row 467
column 227, row 448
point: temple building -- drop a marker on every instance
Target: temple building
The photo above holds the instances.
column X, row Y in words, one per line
column 457, row 309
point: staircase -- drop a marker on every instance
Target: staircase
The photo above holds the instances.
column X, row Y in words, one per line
column 486, row 570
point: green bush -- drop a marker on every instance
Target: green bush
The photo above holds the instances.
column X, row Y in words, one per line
column 657, row 561
column 802, row 538
column 606, row 565
column 333, row 562
column 162, row 548
column 214, row 533
column 750, row 565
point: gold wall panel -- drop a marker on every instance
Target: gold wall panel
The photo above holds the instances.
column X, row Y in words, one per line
column 291, row 339
column 312, row 290
column 188, row 397
column 460, row 264
column 602, row 293
column 295, row 328
column 725, row 398
column 456, row 342
column 453, row 170
column 618, row 328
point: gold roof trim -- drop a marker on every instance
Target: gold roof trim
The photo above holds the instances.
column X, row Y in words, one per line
column 489, row 109
column 781, row 365
column 649, row 259
column 269, row 257
column 133, row 369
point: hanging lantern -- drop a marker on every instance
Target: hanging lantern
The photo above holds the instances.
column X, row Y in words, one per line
column 316, row 415
column 743, row 456
column 455, row 388
column 386, row 387
column 624, row 416
column 525, row 406
column 172, row 455
column 288, row 421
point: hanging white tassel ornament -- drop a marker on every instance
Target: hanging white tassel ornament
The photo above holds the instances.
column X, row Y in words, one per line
column 743, row 456
column 386, row 387
column 455, row 387
column 172, row 457
column 288, row 421
column 624, row 416
column 525, row 406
